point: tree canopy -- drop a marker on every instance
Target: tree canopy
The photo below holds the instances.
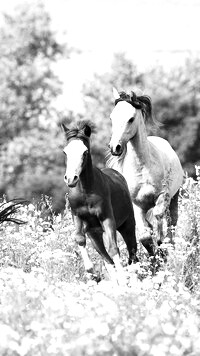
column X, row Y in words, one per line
column 29, row 136
column 27, row 82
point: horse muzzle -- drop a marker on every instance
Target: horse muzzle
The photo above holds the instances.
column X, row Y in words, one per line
column 117, row 150
column 71, row 182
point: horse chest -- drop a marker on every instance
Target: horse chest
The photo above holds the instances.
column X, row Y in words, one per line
column 86, row 205
column 144, row 186
column 143, row 194
column 144, row 197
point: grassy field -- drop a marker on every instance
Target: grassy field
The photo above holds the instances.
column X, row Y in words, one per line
column 48, row 306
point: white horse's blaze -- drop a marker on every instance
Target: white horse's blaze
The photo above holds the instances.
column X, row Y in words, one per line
column 121, row 127
column 74, row 153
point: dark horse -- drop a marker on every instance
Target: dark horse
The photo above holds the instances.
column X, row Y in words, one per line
column 99, row 200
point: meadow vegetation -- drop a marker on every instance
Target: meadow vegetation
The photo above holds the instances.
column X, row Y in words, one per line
column 49, row 306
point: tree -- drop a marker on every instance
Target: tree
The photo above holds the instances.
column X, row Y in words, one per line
column 176, row 103
column 30, row 154
column 34, row 165
column 27, row 83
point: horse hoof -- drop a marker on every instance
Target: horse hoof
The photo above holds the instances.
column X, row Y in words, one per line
column 133, row 260
column 90, row 270
column 93, row 276
column 96, row 277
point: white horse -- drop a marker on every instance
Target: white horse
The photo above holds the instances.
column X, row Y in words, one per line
column 149, row 164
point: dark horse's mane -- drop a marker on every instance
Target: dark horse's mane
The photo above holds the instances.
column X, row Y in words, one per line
column 142, row 102
column 82, row 129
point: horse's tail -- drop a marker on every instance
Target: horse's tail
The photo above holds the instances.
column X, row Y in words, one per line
column 8, row 209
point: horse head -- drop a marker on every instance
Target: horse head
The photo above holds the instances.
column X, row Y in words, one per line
column 76, row 150
column 126, row 116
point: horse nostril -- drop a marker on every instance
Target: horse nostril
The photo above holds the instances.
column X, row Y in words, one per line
column 72, row 182
column 118, row 148
column 65, row 177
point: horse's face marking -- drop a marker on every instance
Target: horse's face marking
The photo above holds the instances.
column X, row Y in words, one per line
column 124, row 126
column 76, row 153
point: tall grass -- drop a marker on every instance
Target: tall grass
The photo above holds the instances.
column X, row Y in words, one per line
column 49, row 307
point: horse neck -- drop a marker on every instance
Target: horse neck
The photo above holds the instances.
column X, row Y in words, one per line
column 138, row 147
column 87, row 175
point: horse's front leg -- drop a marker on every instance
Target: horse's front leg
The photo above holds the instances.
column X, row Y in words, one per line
column 110, row 242
column 96, row 237
column 144, row 229
column 160, row 212
column 81, row 241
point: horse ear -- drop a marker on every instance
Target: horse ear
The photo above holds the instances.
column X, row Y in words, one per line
column 138, row 92
column 87, row 130
column 116, row 94
column 65, row 129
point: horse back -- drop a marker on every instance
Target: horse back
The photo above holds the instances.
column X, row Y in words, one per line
column 116, row 178
column 168, row 159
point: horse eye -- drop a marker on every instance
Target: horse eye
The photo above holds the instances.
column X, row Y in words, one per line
column 131, row 120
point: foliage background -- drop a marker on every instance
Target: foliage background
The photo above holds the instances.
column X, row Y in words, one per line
column 31, row 140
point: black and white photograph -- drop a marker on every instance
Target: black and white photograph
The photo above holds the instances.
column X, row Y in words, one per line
column 100, row 178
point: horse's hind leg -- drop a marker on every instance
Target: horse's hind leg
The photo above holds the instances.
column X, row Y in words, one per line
column 127, row 230
column 173, row 215
column 144, row 230
column 96, row 237
column 173, row 209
